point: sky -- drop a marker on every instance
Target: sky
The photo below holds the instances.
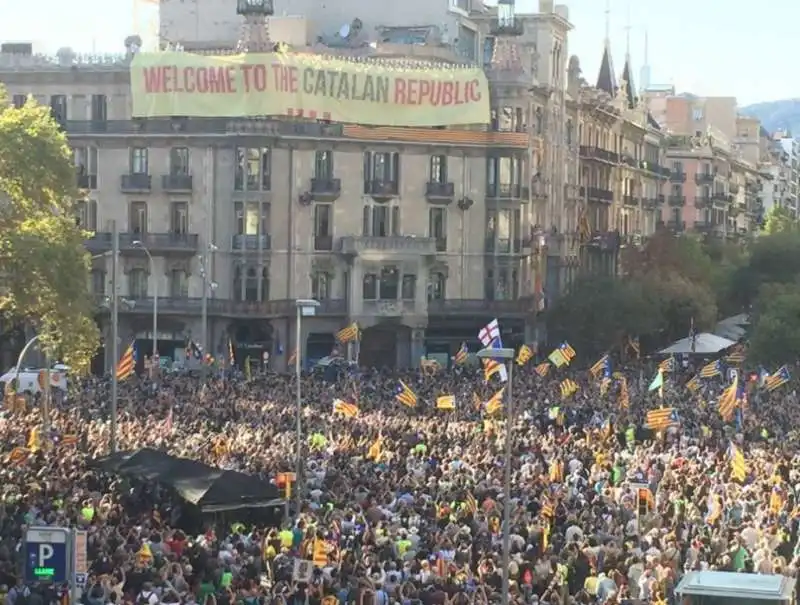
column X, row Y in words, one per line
column 706, row 47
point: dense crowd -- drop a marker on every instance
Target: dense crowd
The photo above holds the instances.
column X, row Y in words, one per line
column 408, row 502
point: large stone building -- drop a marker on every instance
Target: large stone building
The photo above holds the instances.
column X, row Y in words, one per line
column 419, row 235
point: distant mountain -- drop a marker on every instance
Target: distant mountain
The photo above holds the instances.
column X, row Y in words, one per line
column 777, row 115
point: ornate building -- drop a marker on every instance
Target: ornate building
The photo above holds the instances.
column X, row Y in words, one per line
column 421, row 235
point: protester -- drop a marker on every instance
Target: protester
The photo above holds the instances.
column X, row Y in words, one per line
column 404, row 504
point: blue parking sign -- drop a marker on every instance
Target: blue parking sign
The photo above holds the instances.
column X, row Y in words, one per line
column 47, row 554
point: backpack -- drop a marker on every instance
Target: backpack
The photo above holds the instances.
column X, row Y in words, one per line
column 144, row 599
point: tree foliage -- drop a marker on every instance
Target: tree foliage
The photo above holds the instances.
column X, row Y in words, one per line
column 43, row 264
column 776, row 335
column 779, row 220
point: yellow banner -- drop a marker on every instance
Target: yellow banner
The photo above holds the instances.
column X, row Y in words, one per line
column 306, row 85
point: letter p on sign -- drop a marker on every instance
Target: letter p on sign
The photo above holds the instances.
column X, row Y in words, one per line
column 45, row 554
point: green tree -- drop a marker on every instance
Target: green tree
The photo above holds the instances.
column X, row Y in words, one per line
column 598, row 312
column 43, row 262
column 780, row 220
column 679, row 302
column 775, row 325
column 773, row 258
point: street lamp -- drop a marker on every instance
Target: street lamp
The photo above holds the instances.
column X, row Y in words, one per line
column 505, row 355
column 154, row 355
column 306, row 307
column 207, row 285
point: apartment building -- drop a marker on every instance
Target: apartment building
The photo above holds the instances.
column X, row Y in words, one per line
column 621, row 172
column 420, row 235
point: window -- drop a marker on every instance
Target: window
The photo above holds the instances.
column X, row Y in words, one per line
column 505, row 119
column 138, row 161
column 99, row 108
column 323, row 227
column 382, row 168
column 178, row 284
column 569, row 134
column 488, row 49
column 437, row 227
column 677, row 167
column 504, row 171
column 323, row 165
column 409, row 287
column 87, row 215
column 539, row 117
column 498, row 231
column 253, row 169
column 137, row 283
column 98, row 282
column 500, row 283
column 249, row 221
column 369, row 287
column 381, row 220
column 85, row 159
column 137, row 221
column 436, row 286
column 320, row 286
column 697, row 114
column 438, row 169
column 179, row 218
column 19, row 101
column 389, row 283
column 58, row 108
column 250, row 284
column 179, row 161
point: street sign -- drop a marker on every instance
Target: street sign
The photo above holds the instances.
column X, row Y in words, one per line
column 47, row 554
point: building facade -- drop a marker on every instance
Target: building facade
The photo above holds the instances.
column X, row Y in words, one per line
column 419, row 235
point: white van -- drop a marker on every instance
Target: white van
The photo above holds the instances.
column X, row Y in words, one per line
column 29, row 379
column 728, row 588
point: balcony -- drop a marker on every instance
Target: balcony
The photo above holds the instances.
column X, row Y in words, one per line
column 605, row 241
column 471, row 308
column 177, row 183
column 703, row 226
column 676, row 201
column 156, row 243
column 393, row 244
column 388, row 308
column 326, row 190
column 224, row 308
column 597, row 153
column 630, row 200
column 382, row 190
column 660, row 199
column 440, row 193
column 86, row 181
column 506, row 27
column 660, row 171
column 502, row 245
column 720, row 197
column 704, row 178
column 441, row 244
column 677, row 176
column 507, row 191
column 596, row 194
column 676, row 226
column 702, row 201
column 323, row 243
column 136, row 183
column 254, row 184
column 250, row 243
column 630, row 160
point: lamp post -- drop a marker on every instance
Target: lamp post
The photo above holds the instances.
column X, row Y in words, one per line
column 154, row 354
column 505, row 355
column 306, row 307
column 45, row 387
column 207, row 285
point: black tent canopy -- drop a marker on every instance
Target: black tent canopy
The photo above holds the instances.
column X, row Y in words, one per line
column 212, row 489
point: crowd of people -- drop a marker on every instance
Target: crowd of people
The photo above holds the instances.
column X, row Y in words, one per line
column 405, row 504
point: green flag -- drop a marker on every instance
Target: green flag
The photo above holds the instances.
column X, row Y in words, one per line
column 658, row 382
